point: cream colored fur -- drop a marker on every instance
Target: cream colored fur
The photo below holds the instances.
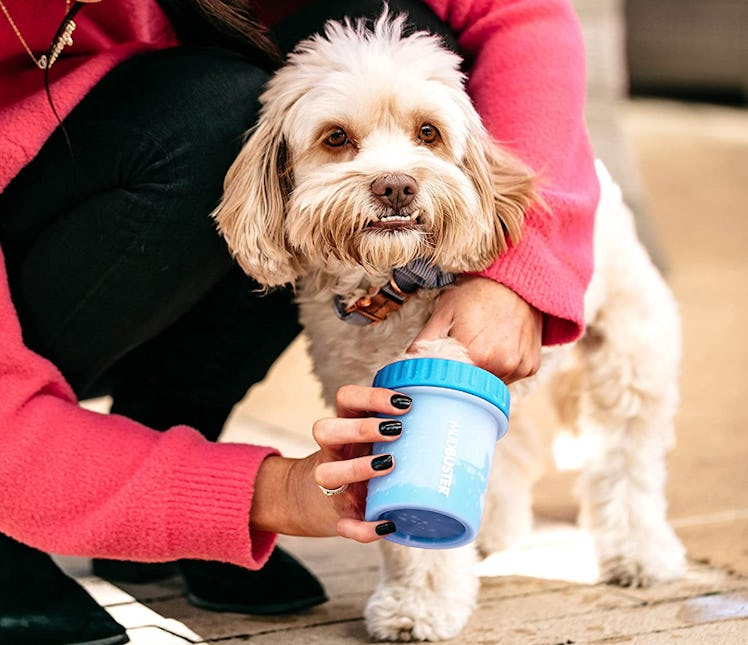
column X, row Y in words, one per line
column 296, row 211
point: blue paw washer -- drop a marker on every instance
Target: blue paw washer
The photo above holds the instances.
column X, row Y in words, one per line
column 435, row 494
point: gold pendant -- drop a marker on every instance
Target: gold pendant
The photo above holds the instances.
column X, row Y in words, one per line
column 65, row 40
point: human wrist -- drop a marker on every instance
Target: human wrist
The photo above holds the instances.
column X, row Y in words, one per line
column 271, row 506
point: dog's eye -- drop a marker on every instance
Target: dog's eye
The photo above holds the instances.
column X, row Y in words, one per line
column 336, row 138
column 428, row 133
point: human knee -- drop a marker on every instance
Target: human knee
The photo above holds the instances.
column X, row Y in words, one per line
column 216, row 107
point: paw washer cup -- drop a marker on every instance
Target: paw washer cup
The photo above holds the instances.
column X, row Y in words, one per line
column 436, row 492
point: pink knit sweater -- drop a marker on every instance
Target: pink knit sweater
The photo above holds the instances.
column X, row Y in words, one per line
column 76, row 482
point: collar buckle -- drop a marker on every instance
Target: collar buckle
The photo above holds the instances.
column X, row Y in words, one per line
column 379, row 303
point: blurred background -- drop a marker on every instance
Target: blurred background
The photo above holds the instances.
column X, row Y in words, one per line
column 692, row 49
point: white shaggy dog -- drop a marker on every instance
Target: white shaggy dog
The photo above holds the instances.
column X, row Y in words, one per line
column 368, row 154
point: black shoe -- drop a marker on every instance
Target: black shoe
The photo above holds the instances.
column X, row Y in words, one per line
column 283, row 585
column 133, row 572
column 40, row 605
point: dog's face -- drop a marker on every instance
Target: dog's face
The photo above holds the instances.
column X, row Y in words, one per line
column 369, row 153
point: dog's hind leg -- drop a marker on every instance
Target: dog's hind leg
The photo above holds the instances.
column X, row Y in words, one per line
column 424, row 594
column 630, row 358
column 626, row 420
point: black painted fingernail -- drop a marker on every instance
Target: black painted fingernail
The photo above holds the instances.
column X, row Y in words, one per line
column 383, row 462
column 385, row 528
column 390, row 428
column 400, row 401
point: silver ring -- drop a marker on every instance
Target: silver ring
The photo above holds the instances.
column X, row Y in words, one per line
column 333, row 491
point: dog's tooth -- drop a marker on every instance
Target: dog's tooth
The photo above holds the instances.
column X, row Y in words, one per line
column 400, row 218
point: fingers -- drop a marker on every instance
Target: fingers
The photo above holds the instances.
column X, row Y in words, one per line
column 357, row 401
column 354, row 429
column 510, row 364
column 333, row 474
column 511, row 371
column 335, row 432
column 364, row 531
column 520, row 356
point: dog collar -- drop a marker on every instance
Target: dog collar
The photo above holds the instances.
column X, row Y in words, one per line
column 376, row 305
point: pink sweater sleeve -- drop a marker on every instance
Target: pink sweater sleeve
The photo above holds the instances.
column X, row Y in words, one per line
column 80, row 483
column 527, row 80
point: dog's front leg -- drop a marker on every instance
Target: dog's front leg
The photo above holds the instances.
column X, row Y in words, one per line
column 517, row 465
column 424, row 594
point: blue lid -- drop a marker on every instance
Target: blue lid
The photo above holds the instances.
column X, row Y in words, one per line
column 441, row 372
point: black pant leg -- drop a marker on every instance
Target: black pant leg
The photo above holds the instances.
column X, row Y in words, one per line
column 199, row 368
column 109, row 250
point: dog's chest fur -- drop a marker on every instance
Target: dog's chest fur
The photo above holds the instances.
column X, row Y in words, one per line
column 345, row 353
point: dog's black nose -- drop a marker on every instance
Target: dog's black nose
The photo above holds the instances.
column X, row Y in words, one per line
column 396, row 191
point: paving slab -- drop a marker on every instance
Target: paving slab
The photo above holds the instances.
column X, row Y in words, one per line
column 723, row 544
column 348, row 596
column 540, row 614
column 619, row 623
column 730, row 632
column 701, row 581
column 155, row 636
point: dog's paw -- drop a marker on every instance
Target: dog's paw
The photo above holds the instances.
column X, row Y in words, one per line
column 405, row 614
column 446, row 347
column 645, row 562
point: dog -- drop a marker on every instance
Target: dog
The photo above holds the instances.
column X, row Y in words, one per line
column 368, row 156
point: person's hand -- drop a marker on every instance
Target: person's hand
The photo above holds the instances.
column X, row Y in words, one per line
column 288, row 498
column 501, row 331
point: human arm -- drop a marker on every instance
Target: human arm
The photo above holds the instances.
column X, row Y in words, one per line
column 80, row 483
column 525, row 61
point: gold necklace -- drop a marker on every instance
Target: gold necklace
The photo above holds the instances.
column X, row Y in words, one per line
column 64, row 40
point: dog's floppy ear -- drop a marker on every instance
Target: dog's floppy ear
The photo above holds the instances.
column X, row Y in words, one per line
column 505, row 186
column 251, row 215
